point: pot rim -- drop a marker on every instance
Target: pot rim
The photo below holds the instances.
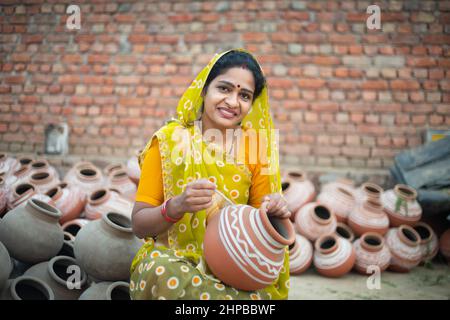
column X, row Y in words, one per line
column 37, row 283
column 85, row 177
column 44, row 208
column 347, row 229
column 101, row 199
column 271, row 229
column 372, row 189
column 113, row 286
column 373, row 206
column 319, row 220
column 405, row 192
column 39, row 161
column 322, row 239
column 110, row 168
column 72, row 262
column 107, row 219
column 44, row 177
column 371, row 247
column 345, row 193
column 119, row 175
column 404, row 238
column 55, row 191
column 427, row 227
column 297, row 175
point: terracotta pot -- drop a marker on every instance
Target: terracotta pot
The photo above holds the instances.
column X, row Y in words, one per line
column 300, row 255
column 314, row 220
column 32, row 233
column 371, row 251
column 74, row 226
column 119, row 290
column 25, row 161
column 42, row 165
column 106, row 247
column 110, row 168
column 103, row 201
column 120, row 181
column 133, row 168
column 401, row 205
column 6, row 265
column 344, row 231
column 219, row 201
column 69, row 199
column 368, row 191
column 43, row 181
column 339, row 200
column 20, row 176
column 59, row 274
column 3, row 197
column 86, row 176
column 8, row 164
column 297, row 191
column 27, row 288
column 429, row 244
column 344, row 183
column 444, row 245
column 24, row 192
column 245, row 248
column 333, row 256
column 404, row 244
column 368, row 217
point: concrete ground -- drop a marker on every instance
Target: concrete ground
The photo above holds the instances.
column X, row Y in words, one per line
column 431, row 282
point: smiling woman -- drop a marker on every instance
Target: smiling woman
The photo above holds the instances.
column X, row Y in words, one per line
column 175, row 189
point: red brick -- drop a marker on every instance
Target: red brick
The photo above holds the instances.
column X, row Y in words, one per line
column 311, row 83
column 374, row 85
column 404, row 85
column 140, row 38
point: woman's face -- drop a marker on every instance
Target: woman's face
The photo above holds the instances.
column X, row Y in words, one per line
column 228, row 98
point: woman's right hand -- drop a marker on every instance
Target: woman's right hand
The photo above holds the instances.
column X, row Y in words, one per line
column 197, row 196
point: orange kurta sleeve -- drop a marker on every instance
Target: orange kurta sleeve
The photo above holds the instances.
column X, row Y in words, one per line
column 150, row 189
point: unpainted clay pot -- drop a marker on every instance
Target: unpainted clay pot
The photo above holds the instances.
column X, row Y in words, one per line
column 314, row 220
column 42, row 165
column 401, row 205
column 27, row 288
column 23, row 193
column 119, row 290
column 344, row 183
column 69, row 199
column 245, row 248
column 333, row 256
column 133, row 168
column 404, row 244
column 59, row 274
column 6, row 265
column 43, row 181
column 67, row 249
column 297, row 191
column 103, row 201
column 86, row 176
column 429, row 244
column 300, row 255
column 368, row 217
column 74, row 226
column 368, row 191
column 371, row 252
column 339, row 200
column 120, row 181
column 105, row 248
column 344, row 231
column 110, row 168
column 32, row 233
column 444, row 245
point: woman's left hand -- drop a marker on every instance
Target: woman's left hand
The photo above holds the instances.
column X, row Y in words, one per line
column 277, row 206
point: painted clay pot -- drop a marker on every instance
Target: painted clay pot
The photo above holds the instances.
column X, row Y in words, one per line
column 401, row 205
column 133, row 168
column 23, row 193
column 245, row 248
column 219, row 201
column 103, row 201
column 119, row 290
column 368, row 217
column 297, row 191
column 429, row 244
column 333, row 256
column 314, row 220
column 444, row 245
column 300, row 255
column 371, row 251
column 43, row 181
column 27, row 288
column 69, row 199
column 105, row 248
column 344, row 231
column 368, row 191
column 86, row 176
column 339, row 200
column 32, row 233
column 74, row 226
column 3, row 197
column 6, row 265
column 58, row 275
column 42, row 165
column 8, row 164
column 120, row 181
column 344, row 183
column 404, row 244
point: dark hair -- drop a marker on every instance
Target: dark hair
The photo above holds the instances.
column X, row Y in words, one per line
column 237, row 59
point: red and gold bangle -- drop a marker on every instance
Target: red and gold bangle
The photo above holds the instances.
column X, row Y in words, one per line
column 164, row 213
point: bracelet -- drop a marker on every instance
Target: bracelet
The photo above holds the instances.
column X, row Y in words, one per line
column 164, row 213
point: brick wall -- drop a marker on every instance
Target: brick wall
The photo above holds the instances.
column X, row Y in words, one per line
column 343, row 96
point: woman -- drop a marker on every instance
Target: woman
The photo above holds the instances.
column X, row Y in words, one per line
column 178, row 183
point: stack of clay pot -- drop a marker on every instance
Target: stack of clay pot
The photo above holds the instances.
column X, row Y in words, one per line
column 297, row 190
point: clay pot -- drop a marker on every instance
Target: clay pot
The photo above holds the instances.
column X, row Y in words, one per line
column 444, row 245
column 333, row 256
column 3, row 197
column 368, row 217
column 70, row 200
column 103, row 201
column 120, row 181
column 6, row 265
column 67, row 249
column 429, row 244
column 371, row 250
column 86, row 176
column 32, row 233
column 22, row 175
column 300, row 255
column 401, row 205
column 297, row 191
column 106, row 247
column 74, row 226
column 110, row 168
column 368, row 191
column 60, row 275
column 18, row 268
column 119, row 290
column 245, row 248
column 25, row 161
column 339, row 200
column 219, row 201
column 344, row 183
column 404, row 244
column 42, row 165
column 24, row 192
column 133, row 168
column 43, row 181
column 8, row 164
column 344, row 231
column 27, row 288
column 314, row 220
